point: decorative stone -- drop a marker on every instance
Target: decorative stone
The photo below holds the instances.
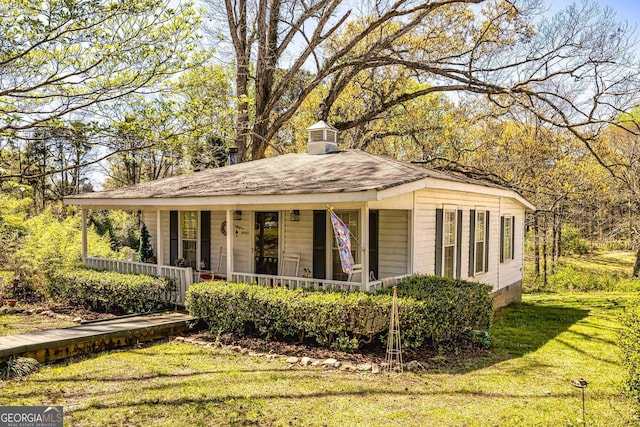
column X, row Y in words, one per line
column 375, row 369
column 331, row 362
column 337, row 364
column 364, row 367
column 348, row 367
column 305, row 361
column 292, row 359
column 77, row 320
column 236, row 348
column 315, row 363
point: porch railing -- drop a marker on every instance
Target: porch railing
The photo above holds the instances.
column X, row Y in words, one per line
column 182, row 276
column 185, row 277
column 304, row 282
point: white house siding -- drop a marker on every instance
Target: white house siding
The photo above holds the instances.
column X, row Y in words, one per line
column 218, row 241
column 511, row 270
column 150, row 219
column 426, row 203
column 393, row 243
column 297, row 237
column 242, row 242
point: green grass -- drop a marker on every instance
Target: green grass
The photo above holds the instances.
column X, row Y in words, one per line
column 539, row 346
column 599, row 271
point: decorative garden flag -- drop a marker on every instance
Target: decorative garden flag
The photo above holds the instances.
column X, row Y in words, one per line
column 343, row 239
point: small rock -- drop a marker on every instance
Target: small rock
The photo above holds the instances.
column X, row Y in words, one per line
column 375, row 369
column 337, row 364
column 77, row 320
column 364, row 367
column 292, row 359
column 272, row 356
column 244, row 351
column 305, row 361
column 47, row 313
column 315, row 363
column 331, row 362
column 29, row 312
column 348, row 367
column 236, row 348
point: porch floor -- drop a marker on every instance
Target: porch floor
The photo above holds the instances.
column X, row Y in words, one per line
column 91, row 337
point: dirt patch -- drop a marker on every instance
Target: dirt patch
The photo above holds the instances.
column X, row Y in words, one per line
column 428, row 357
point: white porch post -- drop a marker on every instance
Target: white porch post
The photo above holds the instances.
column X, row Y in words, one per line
column 83, row 214
column 159, row 245
column 230, row 234
column 364, row 240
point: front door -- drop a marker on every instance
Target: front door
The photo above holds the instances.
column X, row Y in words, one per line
column 266, row 243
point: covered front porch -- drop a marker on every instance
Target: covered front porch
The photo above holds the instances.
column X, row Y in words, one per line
column 272, row 246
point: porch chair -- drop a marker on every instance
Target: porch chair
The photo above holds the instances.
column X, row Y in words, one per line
column 216, row 274
column 293, row 262
column 355, row 269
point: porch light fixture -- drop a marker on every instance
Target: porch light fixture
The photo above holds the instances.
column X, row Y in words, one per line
column 237, row 215
column 295, row 215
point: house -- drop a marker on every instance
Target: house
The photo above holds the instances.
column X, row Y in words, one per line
column 267, row 222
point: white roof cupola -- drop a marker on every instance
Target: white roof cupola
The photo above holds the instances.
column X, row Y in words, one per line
column 323, row 138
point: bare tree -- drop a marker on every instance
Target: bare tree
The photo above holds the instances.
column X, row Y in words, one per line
column 573, row 70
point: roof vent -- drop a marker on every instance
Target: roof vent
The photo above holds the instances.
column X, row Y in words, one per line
column 323, row 138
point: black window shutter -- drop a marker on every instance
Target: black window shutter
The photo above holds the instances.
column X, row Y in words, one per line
column 374, row 220
column 459, row 244
column 501, row 239
column 472, row 241
column 320, row 244
column 205, row 238
column 173, row 237
column 438, row 257
column 487, row 226
column 513, row 237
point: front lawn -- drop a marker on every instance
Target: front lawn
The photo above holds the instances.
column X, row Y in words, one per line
column 539, row 346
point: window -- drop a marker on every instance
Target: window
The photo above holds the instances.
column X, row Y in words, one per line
column 506, row 252
column 190, row 238
column 351, row 220
column 449, row 244
column 480, row 240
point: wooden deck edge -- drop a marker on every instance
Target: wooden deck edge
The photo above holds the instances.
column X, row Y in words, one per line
column 65, row 348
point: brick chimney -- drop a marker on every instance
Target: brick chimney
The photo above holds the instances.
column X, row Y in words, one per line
column 323, row 138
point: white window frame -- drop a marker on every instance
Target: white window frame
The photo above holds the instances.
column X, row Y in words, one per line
column 480, row 212
column 507, row 239
column 181, row 236
column 445, row 233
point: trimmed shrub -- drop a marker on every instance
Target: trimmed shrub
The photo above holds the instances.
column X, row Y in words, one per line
column 109, row 291
column 339, row 319
column 630, row 344
column 453, row 306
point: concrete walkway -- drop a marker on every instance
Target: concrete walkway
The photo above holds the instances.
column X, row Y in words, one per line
column 93, row 336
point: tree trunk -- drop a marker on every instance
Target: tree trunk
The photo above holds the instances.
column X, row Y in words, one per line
column 636, row 265
column 536, row 244
column 238, row 30
column 544, row 249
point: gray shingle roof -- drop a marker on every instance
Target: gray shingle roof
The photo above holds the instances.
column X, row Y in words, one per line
column 345, row 171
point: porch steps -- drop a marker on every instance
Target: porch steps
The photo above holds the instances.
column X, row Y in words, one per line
column 91, row 337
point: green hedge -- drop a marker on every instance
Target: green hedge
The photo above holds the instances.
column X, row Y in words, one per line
column 108, row 291
column 454, row 306
column 630, row 344
column 339, row 319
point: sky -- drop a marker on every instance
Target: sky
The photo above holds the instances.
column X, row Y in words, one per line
column 626, row 10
